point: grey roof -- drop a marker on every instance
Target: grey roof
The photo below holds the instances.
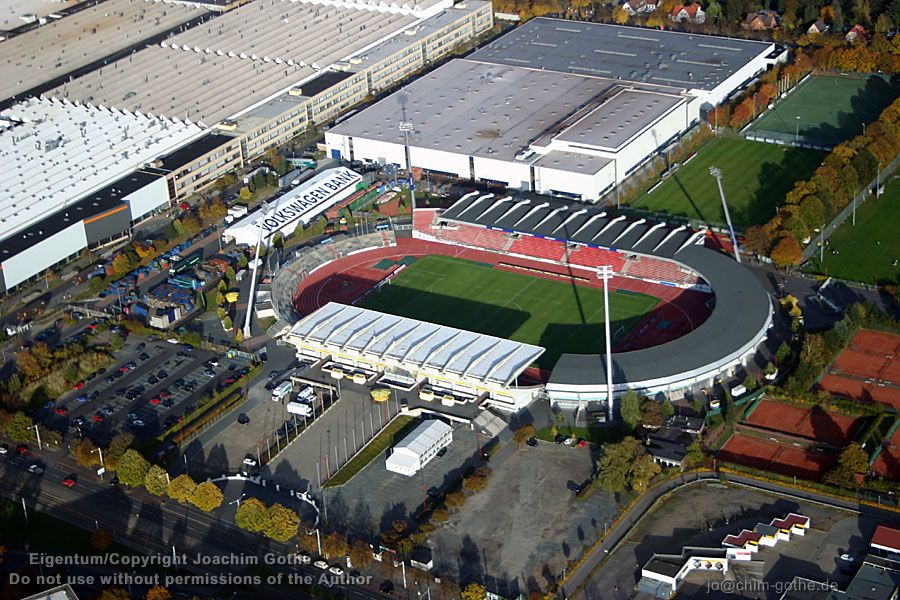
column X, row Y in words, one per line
column 872, row 582
column 494, row 111
column 673, row 58
column 766, row 529
column 742, row 305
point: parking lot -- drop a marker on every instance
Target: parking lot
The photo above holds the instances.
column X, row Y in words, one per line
column 703, row 514
column 145, row 392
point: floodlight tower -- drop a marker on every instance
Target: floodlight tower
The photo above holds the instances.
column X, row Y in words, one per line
column 605, row 273
column 253, row 276
column 406, row 127
column 717, row 173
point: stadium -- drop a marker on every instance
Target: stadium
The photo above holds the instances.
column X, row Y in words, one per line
column 496, row 302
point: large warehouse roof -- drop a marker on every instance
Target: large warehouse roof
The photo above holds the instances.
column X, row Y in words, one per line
column 239, row 59
column 55, row 153
column 494, row 111
column 684, row 60
column 739, row 319
column 435, row 347
column 62, row 46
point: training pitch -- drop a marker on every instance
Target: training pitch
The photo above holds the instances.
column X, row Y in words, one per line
column 826, row 110
column 756, row 176
column 557, row 315
column 868, row 251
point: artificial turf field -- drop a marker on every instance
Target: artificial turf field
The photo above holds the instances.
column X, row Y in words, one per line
column 831, row 109
column 867, row 252
column 756, row 176
column 559, row 316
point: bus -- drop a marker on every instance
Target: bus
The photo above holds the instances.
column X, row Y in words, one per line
column 185, row 264
column 283, row 389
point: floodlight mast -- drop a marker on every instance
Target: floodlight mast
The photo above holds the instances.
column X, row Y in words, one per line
column 605, row 273
column 406, row 127
column 256, row 262
column 717, row 173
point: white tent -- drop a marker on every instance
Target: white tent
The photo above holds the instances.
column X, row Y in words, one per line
column 419, row 447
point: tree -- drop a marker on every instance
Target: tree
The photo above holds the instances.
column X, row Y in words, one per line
column 787, row 252
column 245, row 194
column 182, row 488
column 642, row 471
column 335, row 545
column 758, row 240
column 749, row 381
column 615, row 464
column 650, row 413
column 158, row 592
column 230, row 275
column 812, row 211
column 100, row 540
column 666, row 410
column 361, row 555
column 114, row 594
column 85, row 454
column 117, row 447
column 440, row 515
column 207, row 496
column 455, row 499
column 227, row 323
column 20, row 428
column 523, row 433
column 783, row 353
column 282, row 523
column 694, row 456
column 157, row 480
column 620, row 15
column 630, row 409
column 132, row 468
column 473, row 591
column 252, row 515
column 477, row 480
column 854, row 458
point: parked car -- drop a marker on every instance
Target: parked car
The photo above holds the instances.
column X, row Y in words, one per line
column 249, row 460
column 69, row 481
column 22, row 449
column 36, row 469
column 243, row 419
column 61, row 410
column 303, row 558
column 386, row 587
column 335, row 570
column 321, row 564
column 79, row 385
column 441, row 452
column 532, row 441
column 4, row 449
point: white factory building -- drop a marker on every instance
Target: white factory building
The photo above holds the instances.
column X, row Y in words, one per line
column 555, row 107
column 418, row 448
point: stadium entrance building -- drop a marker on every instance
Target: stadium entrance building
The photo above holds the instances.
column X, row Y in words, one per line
column 297, row 207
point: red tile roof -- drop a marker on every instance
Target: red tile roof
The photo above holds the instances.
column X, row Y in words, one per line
column 887, row 537
column 790, row 520
column 741, row 539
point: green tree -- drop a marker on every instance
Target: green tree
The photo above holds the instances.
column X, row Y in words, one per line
column 252, row 515
column 132, row 468
column 229, row 275
column 473, row 591
column 207, row 496
column 282, row 523
column 20, row 428
column 666, row 410
column 440, row 515
column 335, row 545
column 157, row 480
column 783, row 353
column 361, row 555
column 694, row 456
column 854, row 458
column 227, row 323
column 182, row 488
column 117, row 447
column 523, row 433
column 651, row 413
column 642, row 471
column 245, row 194
column 770, row 368
column 455, row 500
column 749, row 381
column 630, row 409
column 615, row 464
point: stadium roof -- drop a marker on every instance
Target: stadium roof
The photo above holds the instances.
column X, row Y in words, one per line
column 241, row 58
column 65, row 45
column 683, row 60
column 435, row 347
column 55, row 153
column 494, row 111
column 742, row 309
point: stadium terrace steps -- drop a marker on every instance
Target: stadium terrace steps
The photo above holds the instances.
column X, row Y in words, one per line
column 659, row 270
column 592, row 257
column 539, row 248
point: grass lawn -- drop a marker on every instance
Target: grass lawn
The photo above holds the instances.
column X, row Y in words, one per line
column 595, row 435
column 375, row 448
column 756, row 177
column 43, row 532
column 866, row 252
column 831, row 109
column 556, row 315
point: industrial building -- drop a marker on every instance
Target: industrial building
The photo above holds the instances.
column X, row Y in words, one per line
column 453, row 363
column 554, row 107
column 415, row 451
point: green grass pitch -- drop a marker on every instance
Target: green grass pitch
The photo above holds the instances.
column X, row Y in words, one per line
column 756, row 176
column 867, row 252
column 831, row 109
column 557, row 315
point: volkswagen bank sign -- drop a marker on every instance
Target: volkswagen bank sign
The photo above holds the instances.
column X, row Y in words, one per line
column 300, row 205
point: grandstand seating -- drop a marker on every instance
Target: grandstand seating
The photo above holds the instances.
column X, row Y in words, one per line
column 476, row 236
column 539, row 248
column 658, row 270
column 593, row 257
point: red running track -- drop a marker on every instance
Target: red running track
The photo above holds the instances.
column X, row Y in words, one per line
column 347, row 279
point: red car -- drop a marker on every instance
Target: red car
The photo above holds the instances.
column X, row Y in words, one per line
column 98, row 418
column 79, row 385
column 164, row 394
column 68, row 482
column 22, row 449
column 154, row 400
column 184, row 206
column 61, row 410
column 124, row 369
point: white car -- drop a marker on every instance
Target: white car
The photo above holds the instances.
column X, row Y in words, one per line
column 321, row 564
column 4, row 449
column 568, row 442
column 847, row 557
column 303, row 558
column 36, row 469
column 137, row 423
column 336, row 570
column 249, row 461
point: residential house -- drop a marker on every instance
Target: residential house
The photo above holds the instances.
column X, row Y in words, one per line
column 761, row 20
column 668, row 446
column 692, row 13
column 856, row 32
column 638, row 7
column 819, row 26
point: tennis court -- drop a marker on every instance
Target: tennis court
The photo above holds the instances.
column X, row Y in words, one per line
column 769, row 455
column 813, row 422
column 825, row 110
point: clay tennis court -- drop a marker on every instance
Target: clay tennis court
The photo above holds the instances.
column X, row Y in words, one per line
column 876, row 341
column 773, row 456
column 813, row 423
column 868, row 369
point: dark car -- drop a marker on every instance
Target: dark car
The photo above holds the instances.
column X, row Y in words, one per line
column 162, row 374
column 144, row 356
column 441, row 452
column 560, row 438
column 532, row 441
column 243, row 419
column 386, row 587
column 271, row 385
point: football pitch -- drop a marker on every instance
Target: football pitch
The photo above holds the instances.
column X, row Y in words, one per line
column 557, row 315
column 866, row 252
column 826, row 110
column 756, row 176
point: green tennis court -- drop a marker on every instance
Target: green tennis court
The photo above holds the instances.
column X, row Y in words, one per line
column 826, row 110
column 554, row 314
